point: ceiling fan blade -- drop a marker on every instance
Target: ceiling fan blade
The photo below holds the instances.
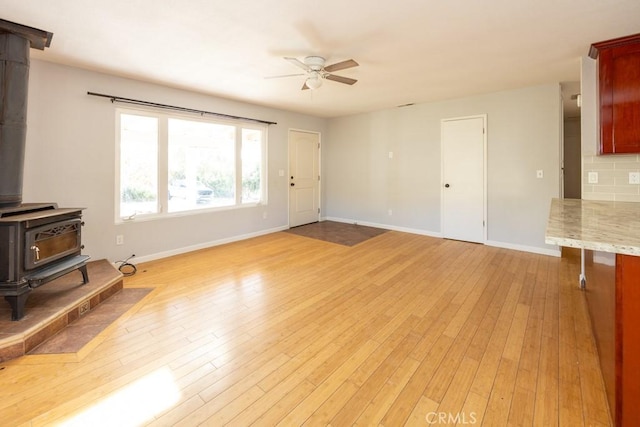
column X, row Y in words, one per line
column 285, row 75
column 304, row 86
column 340, row 79
column 298, row 63
column 349, row 63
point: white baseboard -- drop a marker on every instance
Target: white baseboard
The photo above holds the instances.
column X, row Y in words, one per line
column 512, row 246
column 524, row 248
column 165, row 254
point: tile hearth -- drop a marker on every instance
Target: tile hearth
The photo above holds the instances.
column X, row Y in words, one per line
column 53, row 306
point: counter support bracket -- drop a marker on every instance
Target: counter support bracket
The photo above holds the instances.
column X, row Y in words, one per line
column 583, row 278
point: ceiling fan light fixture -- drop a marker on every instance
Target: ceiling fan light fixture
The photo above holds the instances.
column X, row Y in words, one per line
column 314, row 81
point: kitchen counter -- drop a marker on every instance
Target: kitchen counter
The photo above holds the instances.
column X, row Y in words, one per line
column 609, row 235
column 597, row 225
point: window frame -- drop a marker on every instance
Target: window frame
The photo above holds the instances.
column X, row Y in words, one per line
column 162, row 118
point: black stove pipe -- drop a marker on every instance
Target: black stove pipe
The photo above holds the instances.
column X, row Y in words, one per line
column 14, row 81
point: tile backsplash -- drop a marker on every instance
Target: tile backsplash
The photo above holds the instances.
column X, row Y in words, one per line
column 613, row 177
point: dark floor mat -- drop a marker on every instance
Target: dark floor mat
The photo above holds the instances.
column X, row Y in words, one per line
column 337, row 232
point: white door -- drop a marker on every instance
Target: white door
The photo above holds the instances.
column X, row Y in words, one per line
column 463, row 179
column 304, row 178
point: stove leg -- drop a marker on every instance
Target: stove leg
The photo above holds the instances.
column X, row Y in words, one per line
column 17, row 305
column 85, row 275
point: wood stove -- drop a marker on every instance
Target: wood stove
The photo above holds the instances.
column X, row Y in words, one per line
column 39, row 242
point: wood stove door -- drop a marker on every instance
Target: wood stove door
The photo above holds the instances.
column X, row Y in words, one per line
column 51, row 242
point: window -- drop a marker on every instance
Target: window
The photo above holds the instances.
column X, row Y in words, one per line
column 170, row 164
column 201, row 164
column 138, row 165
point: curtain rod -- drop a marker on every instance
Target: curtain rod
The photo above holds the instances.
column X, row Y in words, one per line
column 173, row 107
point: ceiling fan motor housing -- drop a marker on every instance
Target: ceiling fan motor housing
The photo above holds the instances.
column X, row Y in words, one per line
column 316, row 63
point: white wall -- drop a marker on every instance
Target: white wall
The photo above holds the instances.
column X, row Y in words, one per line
column 70, row 159
column 613, row 169
column 362, row 183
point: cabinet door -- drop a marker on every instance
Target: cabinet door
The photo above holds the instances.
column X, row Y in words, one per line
column 627, row 340
column 600, row 293
column 619, row 79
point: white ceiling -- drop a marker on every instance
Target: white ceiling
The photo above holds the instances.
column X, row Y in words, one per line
column 409, row 51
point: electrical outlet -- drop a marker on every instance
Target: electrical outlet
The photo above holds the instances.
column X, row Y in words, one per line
column 391, row 154
column 592, row 178
column 634, row 177
column 84, row 308
column 119, row 239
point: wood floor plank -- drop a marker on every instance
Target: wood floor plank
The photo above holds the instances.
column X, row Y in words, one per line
column 474, row 408
column 285, row 329
column 442, row 378
column 492, row 355
column 301, row 413
column 392, row 354
column 499, row 404
column 413, row 391
column 272, row 407
column 384, row 399
column 495, row 277
column 177, row 413
column 424, row 412
column 570, row 394
column 456, row 395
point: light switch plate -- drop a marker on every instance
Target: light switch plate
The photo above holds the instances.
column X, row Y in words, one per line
column 634, row 177
column 539, row 173
column 592, row 178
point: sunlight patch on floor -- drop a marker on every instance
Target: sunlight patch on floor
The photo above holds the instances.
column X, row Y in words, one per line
column 132, row 405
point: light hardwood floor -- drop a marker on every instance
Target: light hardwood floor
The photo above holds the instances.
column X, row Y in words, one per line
column 281, row 329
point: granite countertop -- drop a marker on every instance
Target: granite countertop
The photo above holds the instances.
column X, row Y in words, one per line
column 597, row 225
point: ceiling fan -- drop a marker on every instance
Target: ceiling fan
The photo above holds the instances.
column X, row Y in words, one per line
column 317, row 71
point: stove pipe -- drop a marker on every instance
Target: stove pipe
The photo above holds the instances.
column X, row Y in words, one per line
column 14, row 81
column 15, row 42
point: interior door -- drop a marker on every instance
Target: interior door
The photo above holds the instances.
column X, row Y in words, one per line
column 304, row 178
column 463, row 178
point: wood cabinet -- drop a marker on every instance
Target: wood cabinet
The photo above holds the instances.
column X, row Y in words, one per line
column 619, row 94
column 627, row 340
column 613, row 298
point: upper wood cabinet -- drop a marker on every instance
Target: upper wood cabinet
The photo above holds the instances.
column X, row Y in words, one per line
column 619, row 92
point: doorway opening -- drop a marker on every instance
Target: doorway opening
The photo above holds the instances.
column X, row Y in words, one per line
column 571, row 167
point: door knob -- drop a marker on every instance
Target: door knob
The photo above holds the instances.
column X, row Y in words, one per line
column 292, row 184
column 446, row 186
